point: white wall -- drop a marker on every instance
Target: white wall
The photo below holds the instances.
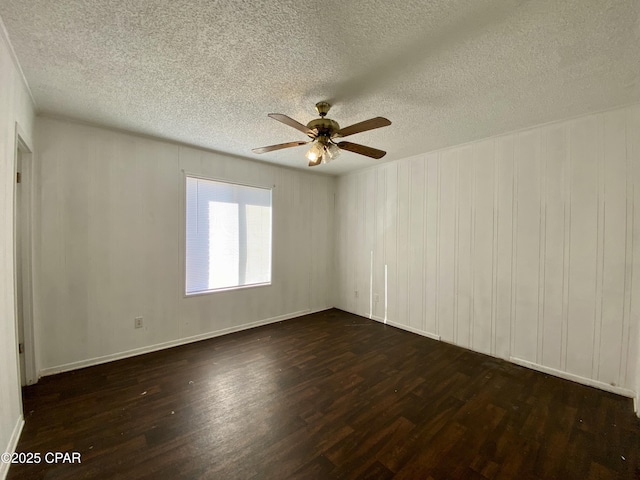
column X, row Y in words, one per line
column 15, row 106
column 524, row 246
column 110, row 245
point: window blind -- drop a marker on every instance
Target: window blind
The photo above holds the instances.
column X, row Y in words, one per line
column 228, row 237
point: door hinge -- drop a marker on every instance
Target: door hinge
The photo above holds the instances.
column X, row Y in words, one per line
column 20, row 348
column 18, row 177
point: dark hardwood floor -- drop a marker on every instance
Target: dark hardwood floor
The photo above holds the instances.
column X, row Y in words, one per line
column 329, row 395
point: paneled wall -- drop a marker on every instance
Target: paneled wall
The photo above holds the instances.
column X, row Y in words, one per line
column 524, row 246
column 15, row 108
column 111, row 245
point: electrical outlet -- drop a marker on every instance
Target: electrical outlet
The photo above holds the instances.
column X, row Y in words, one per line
column 375, row 297
column 356, row 293
column 138, row 322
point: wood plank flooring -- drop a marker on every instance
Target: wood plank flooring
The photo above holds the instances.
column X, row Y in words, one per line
column 329, row 395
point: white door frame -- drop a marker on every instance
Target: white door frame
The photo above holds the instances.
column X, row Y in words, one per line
column 27, row 205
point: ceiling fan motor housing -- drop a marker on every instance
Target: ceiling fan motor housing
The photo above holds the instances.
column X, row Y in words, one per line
column 324, row 126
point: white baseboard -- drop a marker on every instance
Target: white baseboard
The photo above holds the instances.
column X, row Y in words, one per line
column 401, row 326
column 525, row 363
column 172, row 343
column 11, row 447
column 182, row 341
column 574, row 378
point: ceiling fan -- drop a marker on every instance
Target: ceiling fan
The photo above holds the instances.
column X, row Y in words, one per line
column 322, row 132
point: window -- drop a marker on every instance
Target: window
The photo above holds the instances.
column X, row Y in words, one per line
column 228, row 236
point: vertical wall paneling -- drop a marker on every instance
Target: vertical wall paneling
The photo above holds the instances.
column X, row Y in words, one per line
column 361, row 255
column 431, row 243
column 77, row 258
column 329, row 267
column 342, row 288
column 505, row 213
column 542, row 246
column 566, row 254
column 523, row 246
column 390, row 239
column 379, row 246
column 630, row 364
column 456, row 257
column 345, row 213
column 311, row 200
column 464, row 263
column 124, row 210
column 600, row 219
column 446, row 244
column 585, row 135
column 416, row 244
column 365, row 273
column 404, row 216
column 99, row 184
column 494, row 252
column 353, row 239
column 299, row 285
column 613, row 226
column 514, row 253
column 555, row 159
column 368, row 204
column 527, row 248
column 50, row 218
column 348, row 212
column 323, row 206
column 483, row 247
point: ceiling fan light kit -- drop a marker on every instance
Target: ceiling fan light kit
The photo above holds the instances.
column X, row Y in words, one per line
column 322, row 132
column 315, row 153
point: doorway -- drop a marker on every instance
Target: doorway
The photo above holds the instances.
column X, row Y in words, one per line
column 23, row 205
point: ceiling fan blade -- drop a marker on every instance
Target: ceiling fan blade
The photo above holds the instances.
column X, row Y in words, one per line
column 293, row 123
column 362, row 149
column 271, row 148
column 363, row 126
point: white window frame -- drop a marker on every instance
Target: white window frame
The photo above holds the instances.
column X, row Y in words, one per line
column 186, row 294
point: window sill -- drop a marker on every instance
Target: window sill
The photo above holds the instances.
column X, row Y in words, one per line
column 226, row 289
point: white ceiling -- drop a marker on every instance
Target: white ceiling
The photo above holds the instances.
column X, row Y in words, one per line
column 445, row 72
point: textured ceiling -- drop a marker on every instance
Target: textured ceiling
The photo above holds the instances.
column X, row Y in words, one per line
column 444, row 72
